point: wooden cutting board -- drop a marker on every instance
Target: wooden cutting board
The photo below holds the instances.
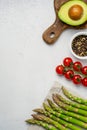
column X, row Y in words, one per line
column 54, row 31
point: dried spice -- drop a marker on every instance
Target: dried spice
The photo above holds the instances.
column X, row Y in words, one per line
column 79, row 45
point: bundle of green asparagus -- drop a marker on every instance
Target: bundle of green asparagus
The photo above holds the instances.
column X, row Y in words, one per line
column 60, row 113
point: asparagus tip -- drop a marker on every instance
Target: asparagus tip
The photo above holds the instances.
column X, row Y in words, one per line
column 33, row 115
column 29, row 120
column 49, row 101
column 54, row 97
column 37, row 116
column 36, row 110
column 44, row 104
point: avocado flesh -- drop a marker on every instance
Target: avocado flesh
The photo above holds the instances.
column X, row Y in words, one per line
column 63, row 13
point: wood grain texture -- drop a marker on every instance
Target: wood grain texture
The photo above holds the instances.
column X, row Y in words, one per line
column 53, row 32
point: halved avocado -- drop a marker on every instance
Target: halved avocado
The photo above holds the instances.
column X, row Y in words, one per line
column 73, row 12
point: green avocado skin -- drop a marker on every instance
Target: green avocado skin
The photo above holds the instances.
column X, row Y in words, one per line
column 63, row 13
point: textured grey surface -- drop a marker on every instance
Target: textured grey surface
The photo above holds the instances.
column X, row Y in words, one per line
column 27, row 63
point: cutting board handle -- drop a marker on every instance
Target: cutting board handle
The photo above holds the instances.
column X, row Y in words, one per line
column 53, row 32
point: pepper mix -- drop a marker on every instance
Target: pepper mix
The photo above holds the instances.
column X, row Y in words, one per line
column 79, row 45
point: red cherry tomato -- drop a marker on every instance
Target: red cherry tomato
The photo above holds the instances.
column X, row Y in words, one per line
column 84, row 70
column 68, row 61
column 69, row 74
column 77, row 79
column 77, row 66
column 84, row 81
column 60, row 69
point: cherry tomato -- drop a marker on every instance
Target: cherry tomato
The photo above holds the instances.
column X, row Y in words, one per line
column 69, row 74
column 84, row 81
column 60, row 69
column 77, row 66
column 84, row 70
column 77, row 79
column 68, row 61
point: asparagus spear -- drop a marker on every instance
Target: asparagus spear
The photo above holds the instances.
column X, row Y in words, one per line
column 68, row 107
column 41, row 123
column 56, row 108
column 65, row 117
column 71, row 103
column 73, row 98
column 65, row 123
column 49, row 121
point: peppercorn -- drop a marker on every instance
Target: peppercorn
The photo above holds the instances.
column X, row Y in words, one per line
column 79, row 45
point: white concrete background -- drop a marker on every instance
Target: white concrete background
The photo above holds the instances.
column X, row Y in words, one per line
column 27, row 63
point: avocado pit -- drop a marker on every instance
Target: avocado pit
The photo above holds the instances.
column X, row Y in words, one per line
column 75, row 12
